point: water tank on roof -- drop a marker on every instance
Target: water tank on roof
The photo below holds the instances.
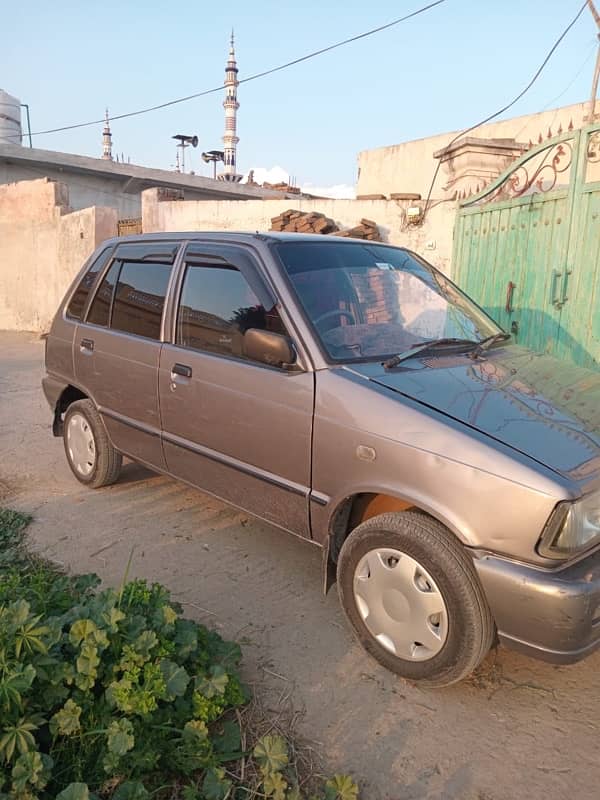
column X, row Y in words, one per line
column 10, row 119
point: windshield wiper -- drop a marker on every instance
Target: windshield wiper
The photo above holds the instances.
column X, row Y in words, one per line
column 430, row 344
column 485, row 344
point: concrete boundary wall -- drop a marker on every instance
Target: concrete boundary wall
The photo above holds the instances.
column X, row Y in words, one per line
column 43, row 244
column 433, row 239
column 409, row 166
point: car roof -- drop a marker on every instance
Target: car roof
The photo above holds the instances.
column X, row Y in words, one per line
column 246, row 237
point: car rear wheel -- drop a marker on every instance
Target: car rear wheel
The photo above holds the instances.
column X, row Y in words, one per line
column 411, row 594
column 91, row 456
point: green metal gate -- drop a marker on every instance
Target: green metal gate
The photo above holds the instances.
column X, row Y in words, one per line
column 527, row 248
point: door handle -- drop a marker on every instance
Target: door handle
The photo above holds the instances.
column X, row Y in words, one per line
column 509, row 297
column 181, row 369
column 87, row 344
column 565, row 286
column 554, row 299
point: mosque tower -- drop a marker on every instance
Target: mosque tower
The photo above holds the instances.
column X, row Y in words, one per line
column 107, row 140
column 231, row 105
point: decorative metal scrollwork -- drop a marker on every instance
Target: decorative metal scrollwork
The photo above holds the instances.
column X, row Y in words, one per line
column 541, row 172
column 593, row 150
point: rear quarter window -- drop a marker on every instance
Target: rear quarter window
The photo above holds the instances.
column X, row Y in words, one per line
column 81, row 294
column 99, row 313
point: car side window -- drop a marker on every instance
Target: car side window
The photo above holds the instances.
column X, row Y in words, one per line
column 99, row 311
column 217, row 306
column 140, row 298
column 80, row 296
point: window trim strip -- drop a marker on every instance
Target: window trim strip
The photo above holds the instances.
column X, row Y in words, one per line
column 212, row 455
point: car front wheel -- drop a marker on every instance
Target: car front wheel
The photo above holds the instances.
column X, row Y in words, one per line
column 91, row 456
column 411, row 594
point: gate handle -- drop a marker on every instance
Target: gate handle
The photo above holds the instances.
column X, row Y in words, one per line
column 565, row 286
column 555, row 300
column 509, row 296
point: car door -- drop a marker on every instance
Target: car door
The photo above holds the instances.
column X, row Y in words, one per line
column 117, row 347
column 234, row 427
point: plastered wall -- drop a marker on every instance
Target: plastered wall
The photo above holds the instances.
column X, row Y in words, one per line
column 433, row 240
column 409, row 166
column 42, row 247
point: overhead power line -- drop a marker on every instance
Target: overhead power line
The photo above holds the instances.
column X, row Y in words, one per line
column 550, row 103
column 508, row 105
column 254, row 77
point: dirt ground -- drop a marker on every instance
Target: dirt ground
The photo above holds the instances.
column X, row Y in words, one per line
column 517, row 729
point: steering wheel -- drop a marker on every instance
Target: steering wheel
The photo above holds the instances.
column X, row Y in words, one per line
column 336, row 312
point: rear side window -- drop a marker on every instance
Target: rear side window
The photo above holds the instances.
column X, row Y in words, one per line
column 217, row 306
column 99, row 313
column 79, row 299
column 140, row 298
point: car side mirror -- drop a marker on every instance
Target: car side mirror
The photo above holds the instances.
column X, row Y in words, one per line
column 269, row 348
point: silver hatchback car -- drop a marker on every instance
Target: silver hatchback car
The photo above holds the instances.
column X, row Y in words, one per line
column 349, row 393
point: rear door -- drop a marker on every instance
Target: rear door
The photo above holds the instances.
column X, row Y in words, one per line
column 59, row 345
column 117, row 348
column 236, row 428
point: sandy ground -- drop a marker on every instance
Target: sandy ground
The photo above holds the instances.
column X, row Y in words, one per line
column 517, row 729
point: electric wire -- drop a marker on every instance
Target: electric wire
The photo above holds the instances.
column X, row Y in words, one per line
column 550, row 103
column 566, row 89
column 591, row 52
column 254, row 77
column 509, row 105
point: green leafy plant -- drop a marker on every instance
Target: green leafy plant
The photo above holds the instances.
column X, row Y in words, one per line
column 114, row 694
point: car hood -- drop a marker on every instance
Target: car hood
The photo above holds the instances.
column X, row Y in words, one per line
column 536, row 404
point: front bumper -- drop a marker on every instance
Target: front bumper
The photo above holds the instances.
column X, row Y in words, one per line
column 549, row 614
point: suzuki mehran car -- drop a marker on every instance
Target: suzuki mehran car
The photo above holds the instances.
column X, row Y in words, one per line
column 349, row 393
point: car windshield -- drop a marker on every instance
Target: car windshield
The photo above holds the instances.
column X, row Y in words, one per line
column 368, row 301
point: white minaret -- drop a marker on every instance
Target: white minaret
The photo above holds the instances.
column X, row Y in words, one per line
column 231, row 105
column 107, row 140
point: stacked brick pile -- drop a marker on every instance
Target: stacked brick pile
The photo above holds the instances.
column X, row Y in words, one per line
column 303, row 222
column 366, row 229
column 314, row 222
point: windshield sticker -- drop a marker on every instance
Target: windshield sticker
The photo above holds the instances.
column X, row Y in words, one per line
column 383, row 265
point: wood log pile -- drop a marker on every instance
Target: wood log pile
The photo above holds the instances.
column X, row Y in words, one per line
column 314, row 222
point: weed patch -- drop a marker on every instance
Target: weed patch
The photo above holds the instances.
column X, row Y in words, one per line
column 113, row 693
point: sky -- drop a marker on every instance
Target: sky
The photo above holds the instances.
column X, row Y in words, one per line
column 441, row 71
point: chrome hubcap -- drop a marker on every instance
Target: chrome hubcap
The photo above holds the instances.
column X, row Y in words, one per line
column 400, row 604
column 81, row 444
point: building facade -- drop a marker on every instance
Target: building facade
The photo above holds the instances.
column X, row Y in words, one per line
column 104, row 182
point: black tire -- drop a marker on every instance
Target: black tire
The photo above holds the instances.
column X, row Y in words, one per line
column 470, row 627
column 106, row 460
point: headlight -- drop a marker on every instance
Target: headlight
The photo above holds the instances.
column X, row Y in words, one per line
column 572, row 528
